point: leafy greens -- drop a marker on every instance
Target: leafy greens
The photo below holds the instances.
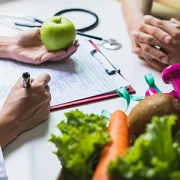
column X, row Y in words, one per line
column 80, row 143
column 153, row 156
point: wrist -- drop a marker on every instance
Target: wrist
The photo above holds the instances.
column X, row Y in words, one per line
column 9, row 129
column 135, row 22
column 5, row 46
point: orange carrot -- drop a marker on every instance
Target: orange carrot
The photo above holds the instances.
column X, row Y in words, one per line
column 119, row 133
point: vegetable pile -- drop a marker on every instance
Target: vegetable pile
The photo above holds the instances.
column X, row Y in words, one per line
column 79, row 146
column 89, row 148
column 153, row 156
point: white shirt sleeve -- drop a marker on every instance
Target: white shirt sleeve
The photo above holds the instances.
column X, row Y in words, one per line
column 3, row 174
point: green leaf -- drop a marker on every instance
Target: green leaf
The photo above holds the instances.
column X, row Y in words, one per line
column 154, row 155
column 79, row 144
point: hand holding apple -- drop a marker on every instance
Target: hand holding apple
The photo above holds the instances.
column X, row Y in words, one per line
column 57, row 33
column 26, row 46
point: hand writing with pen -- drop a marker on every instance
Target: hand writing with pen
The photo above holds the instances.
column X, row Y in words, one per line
column 154, row 33
column 24, row 108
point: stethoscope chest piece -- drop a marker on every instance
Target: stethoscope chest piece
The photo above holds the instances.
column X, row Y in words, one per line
column 111, row 44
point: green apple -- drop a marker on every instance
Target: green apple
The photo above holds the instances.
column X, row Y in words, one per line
column 57, row 33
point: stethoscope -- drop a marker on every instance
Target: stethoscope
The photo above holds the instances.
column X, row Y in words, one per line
column 29, row 21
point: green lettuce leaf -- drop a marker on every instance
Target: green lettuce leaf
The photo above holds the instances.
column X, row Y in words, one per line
column 154, row 155
column 80, row 143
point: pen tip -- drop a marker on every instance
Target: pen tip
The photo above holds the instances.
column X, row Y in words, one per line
column 26, row 75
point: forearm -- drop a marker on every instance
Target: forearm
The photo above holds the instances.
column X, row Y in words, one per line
column 134, row 10
column 5, row 46
column 8, row 130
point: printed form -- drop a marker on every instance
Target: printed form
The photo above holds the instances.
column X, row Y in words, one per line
column 81, row 76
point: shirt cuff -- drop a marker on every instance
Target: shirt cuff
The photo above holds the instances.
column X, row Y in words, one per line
column 3, row 174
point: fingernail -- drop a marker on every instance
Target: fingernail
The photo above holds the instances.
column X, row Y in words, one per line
column 134, row 51
column 174, row 20
column 164, row 60
column 167, row 39
column 175, row 25
column 146, row 18
column 133, row 34
column 73, row 48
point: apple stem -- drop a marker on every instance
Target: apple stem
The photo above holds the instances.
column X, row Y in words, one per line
column 57, row 19
column 60, row 19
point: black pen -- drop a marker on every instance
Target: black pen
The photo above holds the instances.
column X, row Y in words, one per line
column 26, row 79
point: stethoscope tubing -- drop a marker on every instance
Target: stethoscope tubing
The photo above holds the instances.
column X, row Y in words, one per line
column 77, row 32
column 80, row 31
column 29, row 25
column 90, row 36
column 87, row 28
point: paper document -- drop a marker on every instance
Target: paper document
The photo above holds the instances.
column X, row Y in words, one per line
column 78, row 77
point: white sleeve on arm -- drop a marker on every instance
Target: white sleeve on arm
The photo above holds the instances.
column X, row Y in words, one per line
column 3, row 174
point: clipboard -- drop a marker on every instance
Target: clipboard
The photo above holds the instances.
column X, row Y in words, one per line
column 101, row 97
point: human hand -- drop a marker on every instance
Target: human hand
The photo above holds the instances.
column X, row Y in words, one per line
column 135, row 26
column 153, row 56
column 27, row 47
column 25, row 108
column 170, row 47
column 176, row 23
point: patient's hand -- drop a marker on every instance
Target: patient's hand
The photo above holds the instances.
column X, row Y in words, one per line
column 169, row 52
column 27, row 47
column 145, row 50
column 176, row 23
